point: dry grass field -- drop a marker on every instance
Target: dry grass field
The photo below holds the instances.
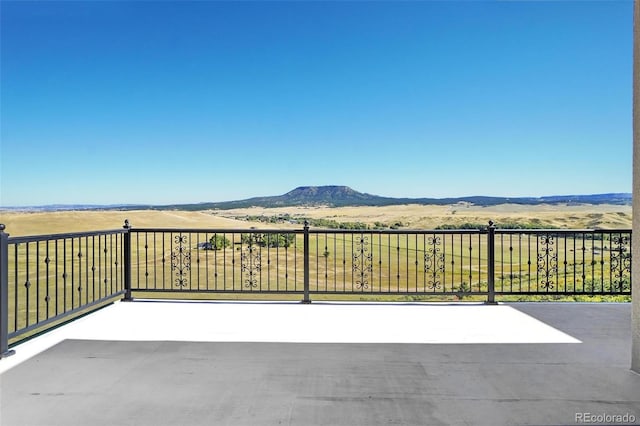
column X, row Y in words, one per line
column 37, row 223
column 429, row 217
column 410, row 216
column 58, row 275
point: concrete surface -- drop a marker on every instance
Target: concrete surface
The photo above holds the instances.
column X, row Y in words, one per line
column 297, row 323
column 99, row 382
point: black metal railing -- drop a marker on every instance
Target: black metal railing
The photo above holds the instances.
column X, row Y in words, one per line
column 47, row 278
column 396, row 262
column 484, row 262
column 216, row 261
column 567, row 262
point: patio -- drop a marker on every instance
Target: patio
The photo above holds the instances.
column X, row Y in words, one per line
column 197, row 363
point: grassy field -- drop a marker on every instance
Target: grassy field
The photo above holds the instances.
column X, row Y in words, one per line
column 63, row 274
column 39, row 223
column 409, row 216
column 66, row 274
column 387, row 263
column 430, row 217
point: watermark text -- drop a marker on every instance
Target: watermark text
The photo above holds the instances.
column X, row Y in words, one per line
column 591, row 418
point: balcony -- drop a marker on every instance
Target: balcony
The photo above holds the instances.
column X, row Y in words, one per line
column 159, row 360
column 269, row 363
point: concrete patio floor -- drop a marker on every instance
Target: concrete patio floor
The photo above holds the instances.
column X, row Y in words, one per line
column 215, row 363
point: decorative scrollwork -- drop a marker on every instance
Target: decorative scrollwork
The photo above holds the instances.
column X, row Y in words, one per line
column 251, row 264
column 181, row 260
column 362, row 263
column 620, row 262
column 547, row 261
column 434, row 262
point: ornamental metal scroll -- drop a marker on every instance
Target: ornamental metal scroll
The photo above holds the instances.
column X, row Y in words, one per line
column 620, row 263
column 362, row 263
column 181, row 260
column 251, row 262
column 547, row 261
column 434, row 263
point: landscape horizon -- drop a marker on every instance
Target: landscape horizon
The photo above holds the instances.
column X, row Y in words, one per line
column 342, row 196
column 335, row 206
column 411, row 216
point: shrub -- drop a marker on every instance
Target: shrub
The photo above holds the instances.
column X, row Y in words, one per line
column 277, row 240
column 218, row 242
column 268, row 240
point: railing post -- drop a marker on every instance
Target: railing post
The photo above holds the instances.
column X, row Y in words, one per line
column 4, row 294
column 491, row 264
column 306, row 298
column 127, row 261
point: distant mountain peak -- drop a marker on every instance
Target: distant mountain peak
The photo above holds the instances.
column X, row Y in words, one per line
column 340, row 195
column 322, row 188
column 327, row 194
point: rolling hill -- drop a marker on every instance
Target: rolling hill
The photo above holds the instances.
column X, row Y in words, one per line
column 341, row 196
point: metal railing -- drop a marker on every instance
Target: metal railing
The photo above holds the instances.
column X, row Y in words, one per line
column 484, row 262
column 47, row 278
column 594, row 262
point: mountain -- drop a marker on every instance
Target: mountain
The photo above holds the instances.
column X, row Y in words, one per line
column 340, row 196
column 330, row 195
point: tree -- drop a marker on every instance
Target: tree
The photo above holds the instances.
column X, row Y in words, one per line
column 219, row 242
column 277, row 240
column 268, row 240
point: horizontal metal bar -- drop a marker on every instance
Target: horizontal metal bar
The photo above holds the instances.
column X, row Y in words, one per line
column 399, row 293
column 187, row 291
column 400, row 232
column 383, row 231
column 41, row 324
column 218, row 231
column 50, row 237
column 337, row 292
column 563, row 231
column 390, row 293
column 563, row 293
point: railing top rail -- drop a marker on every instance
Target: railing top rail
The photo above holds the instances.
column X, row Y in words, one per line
column 311, row 230
column 220, row 231
column 49, row 237
column 45, row 237
column 563, row 231
column 376, row 231
column 398, row 231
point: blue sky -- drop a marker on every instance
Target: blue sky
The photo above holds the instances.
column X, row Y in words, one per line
column 170, row 102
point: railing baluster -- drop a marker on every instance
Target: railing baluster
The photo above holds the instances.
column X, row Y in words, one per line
column 127, row 261
column 47, row 297
column 4, row 294
column 491, row 298
column 306, row 298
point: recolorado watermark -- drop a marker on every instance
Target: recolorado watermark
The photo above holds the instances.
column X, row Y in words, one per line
column 606, row 418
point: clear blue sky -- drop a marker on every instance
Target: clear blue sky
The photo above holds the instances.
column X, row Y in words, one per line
column 165, row 102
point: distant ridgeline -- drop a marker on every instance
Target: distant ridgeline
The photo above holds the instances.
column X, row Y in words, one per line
column 343, row 196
